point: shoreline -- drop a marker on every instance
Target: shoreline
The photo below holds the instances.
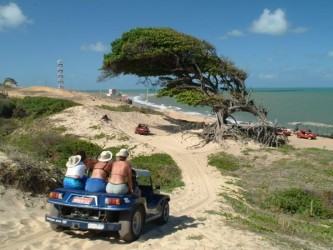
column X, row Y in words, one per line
column 97, row 100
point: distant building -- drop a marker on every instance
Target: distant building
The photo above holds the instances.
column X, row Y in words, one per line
column 112, row 92
column 9, row 82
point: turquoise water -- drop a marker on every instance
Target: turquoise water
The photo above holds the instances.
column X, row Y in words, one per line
column 311, row 107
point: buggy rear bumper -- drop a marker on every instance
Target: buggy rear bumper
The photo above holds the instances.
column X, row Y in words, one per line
column 83, row 225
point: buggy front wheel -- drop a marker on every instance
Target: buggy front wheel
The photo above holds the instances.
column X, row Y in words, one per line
column 165, row 213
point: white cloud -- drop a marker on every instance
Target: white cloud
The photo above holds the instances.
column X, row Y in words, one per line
column 330, row 53
column 11, row 16
column 299, row 30
column 272, row 23
column 266, row 76
column 96, row 47
column 233, row 33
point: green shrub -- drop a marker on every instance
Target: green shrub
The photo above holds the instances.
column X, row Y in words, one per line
column 43, row 106
column 7, row 126
column 69, row 145
column 164, row 169
column 297, row 201
column 7, row 107
column 56, row 148
column 286, row 149
column 224, row 161
column 53, row 147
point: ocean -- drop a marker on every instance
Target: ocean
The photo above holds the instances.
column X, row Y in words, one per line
column 309, row 108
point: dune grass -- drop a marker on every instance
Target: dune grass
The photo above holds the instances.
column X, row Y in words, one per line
column 164, row 169
column 33, row 107
column 289, row 199
column 227, row 162
column 43, row 106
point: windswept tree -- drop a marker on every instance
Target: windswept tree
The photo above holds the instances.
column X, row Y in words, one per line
column 190, row 70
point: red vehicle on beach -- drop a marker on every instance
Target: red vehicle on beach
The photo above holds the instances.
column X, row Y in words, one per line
column 142, row 129
column 306, row 134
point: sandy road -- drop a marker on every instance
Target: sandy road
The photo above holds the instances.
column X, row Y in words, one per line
column 190, row 225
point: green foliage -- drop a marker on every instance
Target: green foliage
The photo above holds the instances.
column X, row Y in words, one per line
column 329, row 172
column 163, row 168
column 286, row 149
column 224, row 161
column 128, row 108
column 188, row 68
column 195, row 237
column 52, row 146
column 43, row 106
column 155, row 52
column 275, row 202
column 280, row 227
column 7, row 107
column 298, row 201
column 100, row 136
column 191, row 97
column 7, row 126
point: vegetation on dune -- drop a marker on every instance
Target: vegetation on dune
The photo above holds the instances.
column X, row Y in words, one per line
column 53, row 149
column 224, row 161
column 128, row 108
column 43, row 106
column 28, row 173
column 40, row 152
column 15, row 113
column 290, row 196
column 298, row 201
column 164, row 169
column 51, row 146
column 33, row 107
column 7, row 107
column 190, row 70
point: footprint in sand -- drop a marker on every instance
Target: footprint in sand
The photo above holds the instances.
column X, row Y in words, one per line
column 3, row 238
column 25, row 222
column 37, row 245
column 8, row 225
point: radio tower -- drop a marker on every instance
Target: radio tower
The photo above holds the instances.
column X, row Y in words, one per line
column 60, row 74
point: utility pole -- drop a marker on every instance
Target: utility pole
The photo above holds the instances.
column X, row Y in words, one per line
column 60, row 73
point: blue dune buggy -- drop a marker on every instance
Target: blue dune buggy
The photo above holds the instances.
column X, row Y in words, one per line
column 126, row 214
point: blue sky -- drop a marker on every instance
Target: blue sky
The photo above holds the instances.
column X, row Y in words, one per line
column 279, row 43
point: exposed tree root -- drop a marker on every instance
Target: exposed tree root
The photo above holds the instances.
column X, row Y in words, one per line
column 262, row 133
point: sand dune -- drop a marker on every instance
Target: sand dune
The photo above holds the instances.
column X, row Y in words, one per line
column 191, row 225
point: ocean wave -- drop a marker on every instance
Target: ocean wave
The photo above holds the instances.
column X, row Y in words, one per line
column 314, row 124
column 141, row 101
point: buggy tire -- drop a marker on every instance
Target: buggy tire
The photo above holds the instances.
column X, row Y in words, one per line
column 165, row 213
column 52, row 211
column 131, row 224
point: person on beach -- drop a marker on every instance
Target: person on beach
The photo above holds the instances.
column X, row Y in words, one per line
column 75, row 174
column 120, row 181
column 100, row 172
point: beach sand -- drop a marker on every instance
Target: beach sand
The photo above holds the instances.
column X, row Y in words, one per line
column 193, row 224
